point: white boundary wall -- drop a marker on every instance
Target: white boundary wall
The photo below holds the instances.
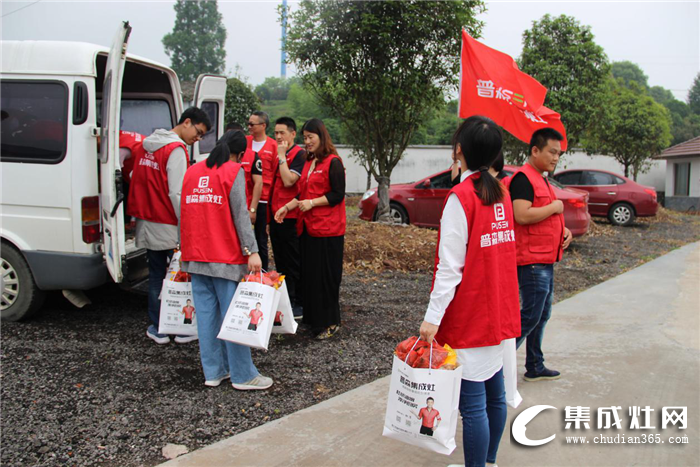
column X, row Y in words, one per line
column 420, row 161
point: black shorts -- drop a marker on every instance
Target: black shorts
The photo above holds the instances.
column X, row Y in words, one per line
column 188, row 321
column 277, row 323
column 424, row 430
column 252, row 327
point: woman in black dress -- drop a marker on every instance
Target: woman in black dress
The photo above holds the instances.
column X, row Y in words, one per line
column 321, row 229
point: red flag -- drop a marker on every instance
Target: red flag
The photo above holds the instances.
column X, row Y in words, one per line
column 492, row 85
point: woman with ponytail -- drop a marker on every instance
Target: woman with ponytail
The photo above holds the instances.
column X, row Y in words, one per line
column 474, row 304
column 218, row 248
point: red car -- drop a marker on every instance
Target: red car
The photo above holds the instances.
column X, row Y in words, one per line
column 420, row 203
column 613, row 196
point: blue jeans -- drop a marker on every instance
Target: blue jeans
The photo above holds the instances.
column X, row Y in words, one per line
column 484, row 412
column 212, row 297
column 536, row 283
column 158, row 262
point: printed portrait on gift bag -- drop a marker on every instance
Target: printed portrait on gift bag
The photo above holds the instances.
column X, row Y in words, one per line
column 188, row 310
column 278, row 319
column 255, row 316
column 429, row 417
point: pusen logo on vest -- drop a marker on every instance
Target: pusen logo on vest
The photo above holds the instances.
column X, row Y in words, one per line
column 500, row 211
column 203, row 182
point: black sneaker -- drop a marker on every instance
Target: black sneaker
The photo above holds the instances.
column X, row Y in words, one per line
column 545, row 374
column 298, row 312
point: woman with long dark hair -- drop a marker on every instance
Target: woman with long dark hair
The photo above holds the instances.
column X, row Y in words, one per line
column 218, row 249
column 474, row 303
column 321, row 228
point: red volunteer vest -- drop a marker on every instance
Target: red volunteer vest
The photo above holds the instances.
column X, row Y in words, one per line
column 268, row 156
column 247, row 162
column 486, row 308
column 148, row 195
column 320, row 221
column 539, row 243
column 281, row 195
column 134, row 143
column 207, row 231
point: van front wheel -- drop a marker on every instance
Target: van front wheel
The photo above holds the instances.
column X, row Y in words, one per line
column 20, row 296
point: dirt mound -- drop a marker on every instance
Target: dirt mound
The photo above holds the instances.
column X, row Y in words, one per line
column 371, row 246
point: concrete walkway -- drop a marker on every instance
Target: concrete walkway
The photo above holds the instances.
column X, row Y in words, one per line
column 631, row 341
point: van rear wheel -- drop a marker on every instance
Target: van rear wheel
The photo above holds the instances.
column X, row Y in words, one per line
column 21, row 298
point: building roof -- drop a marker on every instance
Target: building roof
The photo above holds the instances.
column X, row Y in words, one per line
column 688, row 148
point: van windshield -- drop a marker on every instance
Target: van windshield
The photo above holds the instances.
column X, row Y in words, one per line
column 143, row 116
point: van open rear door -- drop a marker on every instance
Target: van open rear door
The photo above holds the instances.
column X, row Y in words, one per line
column 209, row 95
column 111, row 189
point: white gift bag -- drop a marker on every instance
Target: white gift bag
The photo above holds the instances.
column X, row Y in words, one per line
column 510, row 374
column 178, row 314
column 283, row 320
column 408, row 415
column 250, row 315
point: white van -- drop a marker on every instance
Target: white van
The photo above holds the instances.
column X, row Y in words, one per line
column 62, row 216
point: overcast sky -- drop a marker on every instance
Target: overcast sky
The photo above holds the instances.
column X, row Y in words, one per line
column 663, row 38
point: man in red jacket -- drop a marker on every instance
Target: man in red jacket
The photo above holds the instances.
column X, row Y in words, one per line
column 266, row 149
column 540, row 237
column 154, row 200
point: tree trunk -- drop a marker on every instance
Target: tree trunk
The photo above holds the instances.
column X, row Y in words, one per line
column 627, row 170
column 369, row 180
column 383, row 214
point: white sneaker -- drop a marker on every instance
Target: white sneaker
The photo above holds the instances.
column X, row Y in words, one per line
column 185, row 339
column 212, row 383
column 259, row 382
column 158, row 338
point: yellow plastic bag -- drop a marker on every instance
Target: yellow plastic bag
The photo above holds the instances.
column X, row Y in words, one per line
column 451, row 360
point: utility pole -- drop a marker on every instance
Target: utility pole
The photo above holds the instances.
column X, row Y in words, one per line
column 283, row 64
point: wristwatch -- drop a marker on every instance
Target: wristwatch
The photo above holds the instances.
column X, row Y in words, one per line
column 283, row 161
column 252, row 210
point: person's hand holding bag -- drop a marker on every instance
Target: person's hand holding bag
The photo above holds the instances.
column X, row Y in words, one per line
column 254, row 263
column 428, row 331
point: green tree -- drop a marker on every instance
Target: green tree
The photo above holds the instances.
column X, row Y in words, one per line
column 628, row 71
column 562, row 55
column 381, row 67
column 694, row 95
column 241, row 101
column 196, row 44
column 274, row 88
column 631, row 127
column 661, row 95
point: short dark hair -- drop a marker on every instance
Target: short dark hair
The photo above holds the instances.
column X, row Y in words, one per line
column 263, row 116
column 429, row 399
column 232, row 142
column 196, row 116
column 234, row 126
column 289, row 121
column 481, row 141
column 542, row 136
column 258, row 304
column 326, row 147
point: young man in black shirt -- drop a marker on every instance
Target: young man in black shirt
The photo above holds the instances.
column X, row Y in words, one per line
column 283, row 236
column 540, row 237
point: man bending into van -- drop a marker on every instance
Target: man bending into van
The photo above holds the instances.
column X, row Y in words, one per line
column 154, row 200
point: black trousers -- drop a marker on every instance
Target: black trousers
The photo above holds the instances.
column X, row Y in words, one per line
column 285, row 247
column 260, row 228
column 322, row 272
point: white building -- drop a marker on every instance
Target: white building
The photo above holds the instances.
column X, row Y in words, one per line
column 421, row 161
column 683, row 175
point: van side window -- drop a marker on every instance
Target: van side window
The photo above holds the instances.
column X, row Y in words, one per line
column 212, row 136
column 34, row 121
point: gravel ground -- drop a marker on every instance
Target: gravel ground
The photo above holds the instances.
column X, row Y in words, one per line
column 86, row 387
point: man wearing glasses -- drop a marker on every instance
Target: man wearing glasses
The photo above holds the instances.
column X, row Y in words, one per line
column 154, row 200
column 264, row 147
